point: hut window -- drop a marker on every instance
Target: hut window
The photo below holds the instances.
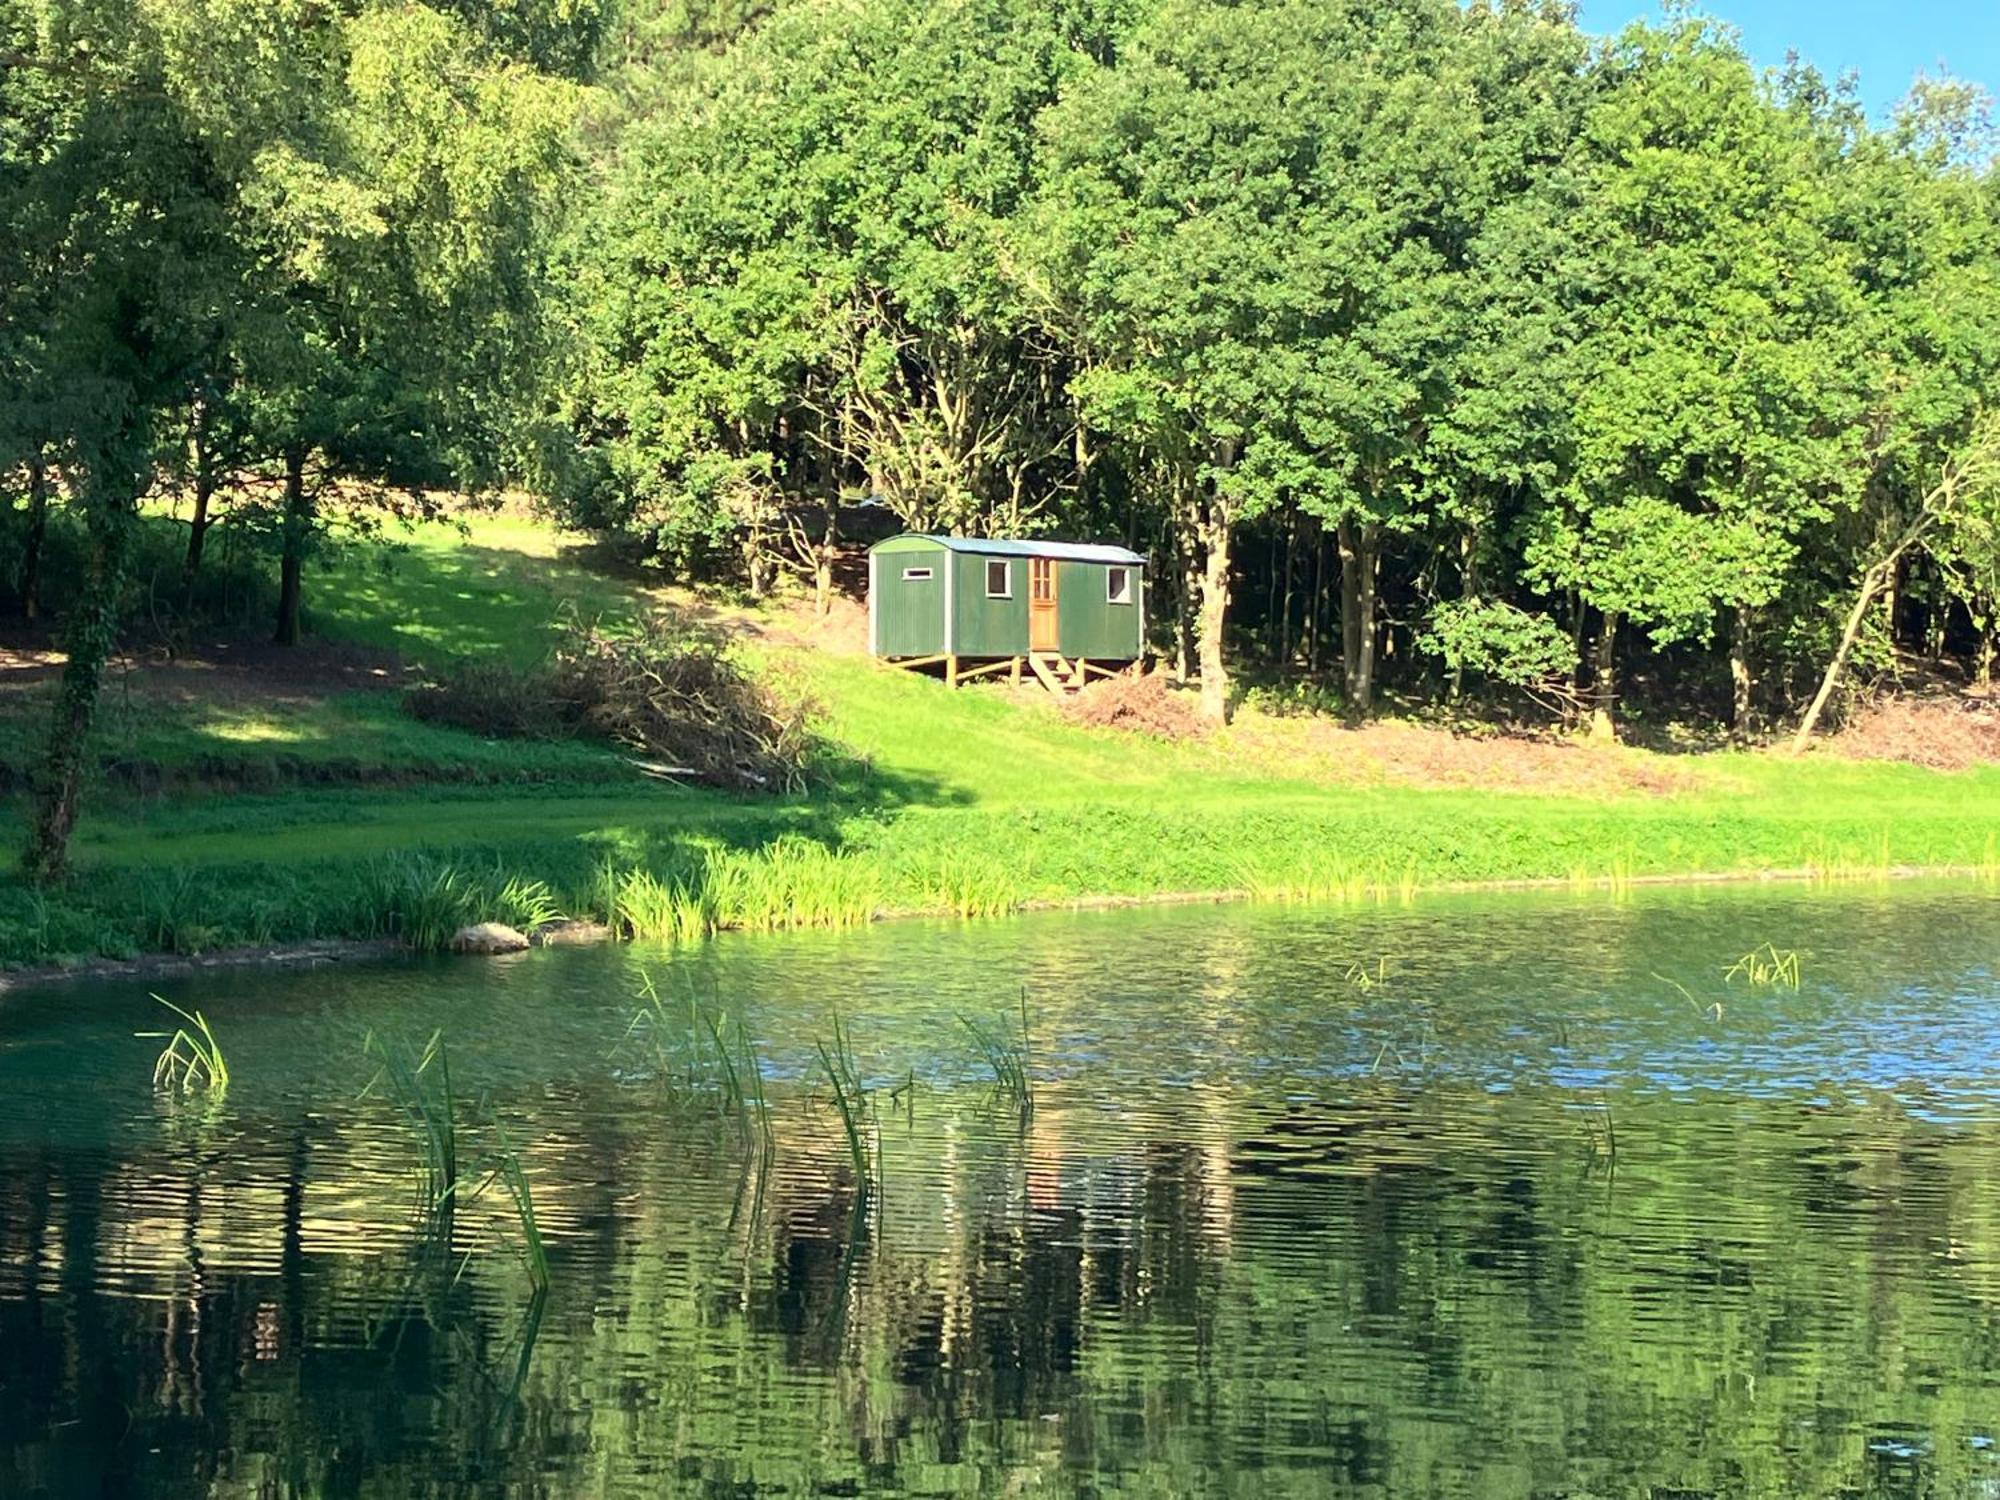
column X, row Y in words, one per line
column 1118, row 585
column 916, row 575
column 999, row 580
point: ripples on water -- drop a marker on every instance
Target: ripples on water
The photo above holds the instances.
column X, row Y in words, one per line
column 1464, row 1200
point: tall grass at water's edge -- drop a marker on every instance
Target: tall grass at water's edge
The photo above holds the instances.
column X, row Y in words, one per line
column 973, row 863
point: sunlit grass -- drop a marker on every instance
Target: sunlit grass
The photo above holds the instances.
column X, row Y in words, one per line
column 966, row 804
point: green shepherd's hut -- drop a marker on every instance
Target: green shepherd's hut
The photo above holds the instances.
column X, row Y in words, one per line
column 974, row 606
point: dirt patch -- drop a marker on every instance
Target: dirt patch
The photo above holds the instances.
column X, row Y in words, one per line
column 1952, row 733
column 1140, row 704
column 1407, row 754
column 220, row 671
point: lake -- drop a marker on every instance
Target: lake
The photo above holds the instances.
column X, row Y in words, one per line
column 1486, row 1197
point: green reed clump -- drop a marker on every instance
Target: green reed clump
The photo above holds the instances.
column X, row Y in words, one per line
column 1007, row 1056
column 850, row 1102
column 794, row 883
column 1365, row 977
column 1600, row 1131
column 705, row 1063
column 192, row 1061
column 966, row 886
column 421, row 1088
column 1711, row 1011
column 523, row 903
column 506, row 1168
column 647, row 908
column 425, row 900
column 1768, row 967
column 1317, row 877
column 1828, row 863
column 175, row 913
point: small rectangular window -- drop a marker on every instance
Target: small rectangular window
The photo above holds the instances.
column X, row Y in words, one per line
column 916, row 575
column 999, row 580
column 1118, row 585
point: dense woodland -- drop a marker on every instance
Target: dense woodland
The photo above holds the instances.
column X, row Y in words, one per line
column 1436, row 350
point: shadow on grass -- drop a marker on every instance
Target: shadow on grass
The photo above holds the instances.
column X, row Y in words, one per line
column 433, row 605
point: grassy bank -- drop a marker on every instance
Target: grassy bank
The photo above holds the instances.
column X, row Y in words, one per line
column 282, row 816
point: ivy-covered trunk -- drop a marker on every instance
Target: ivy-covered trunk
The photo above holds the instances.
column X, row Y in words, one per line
column 298, row 524
column 89, row 636
column 1741, row 683
column 1214, row 609
column 1604, row 680
column 204, row 491
column 823, row 558
column 38, row 530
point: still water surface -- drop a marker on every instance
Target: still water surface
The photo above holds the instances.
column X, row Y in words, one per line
column 1497, row 1197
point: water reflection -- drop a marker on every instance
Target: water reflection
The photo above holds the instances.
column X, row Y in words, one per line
column 1504, row 1221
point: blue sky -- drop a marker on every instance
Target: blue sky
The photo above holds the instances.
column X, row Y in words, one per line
column 1885, row 41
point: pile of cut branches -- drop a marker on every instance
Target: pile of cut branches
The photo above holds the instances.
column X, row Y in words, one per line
column 675, row 692
column 665, row 688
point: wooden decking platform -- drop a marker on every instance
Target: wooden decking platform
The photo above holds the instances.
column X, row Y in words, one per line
column 1054, row 671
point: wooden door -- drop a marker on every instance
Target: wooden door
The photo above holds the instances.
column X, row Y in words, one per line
column 1044, row 634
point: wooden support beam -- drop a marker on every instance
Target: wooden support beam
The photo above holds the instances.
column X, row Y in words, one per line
column 915, row 663
column 1080, row 674
column 951, row 670
column 985, row 669
column 1014, row 671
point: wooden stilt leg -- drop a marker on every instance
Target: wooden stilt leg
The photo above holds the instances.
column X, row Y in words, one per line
column 951, row 671
column 1014, row 672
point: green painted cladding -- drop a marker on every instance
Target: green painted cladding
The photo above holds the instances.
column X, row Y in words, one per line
column 909, row 612
column 1090, row 624
column 989, row 627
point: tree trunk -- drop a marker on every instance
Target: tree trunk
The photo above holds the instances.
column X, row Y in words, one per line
column 1578, row 619
column 198, row 523
column 1468, row 590
column 90, row 633
column 1604, row 682
column 1350, row 607
column 298, row 524
column 1318, row 596
column 1214, row 609
column 1742, row 684
column 756, row 563
column 1360, row 553
column 1186, row 598
column 1891, row 597
column 38, row 530
column 204, row 490
column 1285, row 605
column 1873, row 582
column 823, row 559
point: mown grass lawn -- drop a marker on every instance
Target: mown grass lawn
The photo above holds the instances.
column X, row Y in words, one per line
column 309, row 816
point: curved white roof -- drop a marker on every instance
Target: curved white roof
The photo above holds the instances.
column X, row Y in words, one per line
column 1007, row 547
